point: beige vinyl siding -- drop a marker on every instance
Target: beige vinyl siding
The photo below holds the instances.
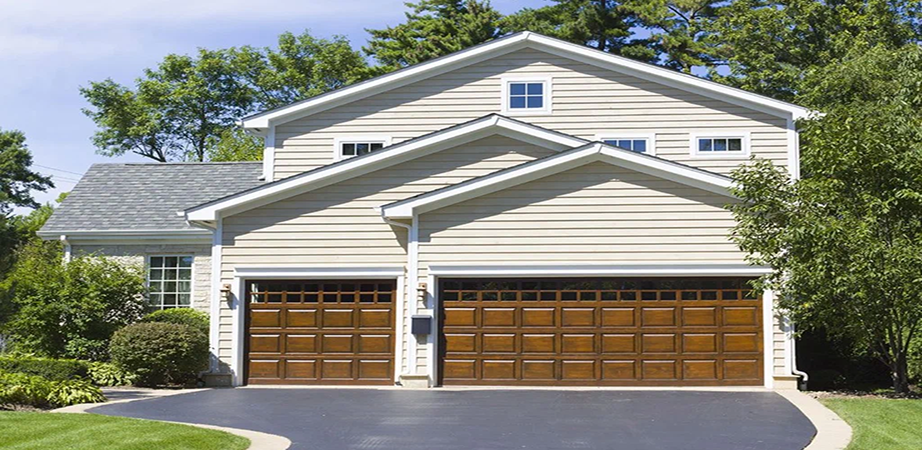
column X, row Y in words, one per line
column 137, row 253
column 586, row 101
column 778, row 353
column 337, row 225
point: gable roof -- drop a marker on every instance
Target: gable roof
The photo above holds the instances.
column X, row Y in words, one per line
column 561, row 162
column 134, row 198
column 507, row 44
column 488, row 125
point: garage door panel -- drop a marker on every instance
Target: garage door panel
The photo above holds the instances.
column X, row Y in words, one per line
column 320, row 332
column 603, row 331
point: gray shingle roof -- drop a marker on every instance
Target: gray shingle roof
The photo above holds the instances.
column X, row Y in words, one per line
column 147, row 196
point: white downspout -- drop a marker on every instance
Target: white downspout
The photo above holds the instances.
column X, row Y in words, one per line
column 67, row 249
column 793, row 356
column 412, row 275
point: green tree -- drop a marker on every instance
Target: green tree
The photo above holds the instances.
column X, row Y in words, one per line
column 62, row 309
column 601, row 24
column 17, row 180
column 183, row 109
column 845, row 241
column 434, row 28
column 678, row 30
column 770, row 45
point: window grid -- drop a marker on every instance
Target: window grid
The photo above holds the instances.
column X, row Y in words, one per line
column 615, row 289
column 342, row 292
column 169, row 281
column 526, row 95
column 638, row 145
column 720, row 144
column 359, row 148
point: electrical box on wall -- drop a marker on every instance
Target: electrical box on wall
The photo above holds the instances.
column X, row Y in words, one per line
column 421, row 324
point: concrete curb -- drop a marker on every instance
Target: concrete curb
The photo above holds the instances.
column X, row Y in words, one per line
column 258, row 439
column 832, row 433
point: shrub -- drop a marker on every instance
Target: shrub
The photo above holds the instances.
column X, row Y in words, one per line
column 48, row 368
column 160, row 353
column 182, row 316
column 52, row 304
column 87, row 349
column 24, row 389
column 108, row 374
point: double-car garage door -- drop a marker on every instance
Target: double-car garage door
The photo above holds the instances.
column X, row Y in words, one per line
column 553, row 331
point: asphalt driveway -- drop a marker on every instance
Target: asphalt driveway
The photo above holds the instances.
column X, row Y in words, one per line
column 333, row 419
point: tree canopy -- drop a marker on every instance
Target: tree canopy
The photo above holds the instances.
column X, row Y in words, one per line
column 845, row 241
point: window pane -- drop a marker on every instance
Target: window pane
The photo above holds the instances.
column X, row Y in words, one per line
column 156, row 261
column 640, row 146
column 735, row 145
column 720, row 145
column 535, row 102
column 348, row 149
column 361, row 149
column 156, row 274
column 169, row 274
column 185, row 261
column 169, row 299
column 171, row 261
column 376, row 145
column 535, row 88
column 169, row 286
column 624, row 143
column 704, row 145
column 184, row 286
column 156, row 300
column 184, row 299
column 185, row 274
column 517, row 102
column 517, row 88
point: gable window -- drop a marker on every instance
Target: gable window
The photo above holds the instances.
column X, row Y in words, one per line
column 720, row 145
column 638, row 145
column 169, row 281
column 530, row 95
column 359, row 148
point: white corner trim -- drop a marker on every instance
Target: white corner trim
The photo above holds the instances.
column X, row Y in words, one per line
column 653, row 270
column 509, row 44
column 547, row 95
column 726, row 134
column 362, row 138
column 615, row 134
column 214, row 307
column 768, row 322
column 269, row 155
column 490, row 124
column 793, row 149
column 68, row 250
column 555, row 164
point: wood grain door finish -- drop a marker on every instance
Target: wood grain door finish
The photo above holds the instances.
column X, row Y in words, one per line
column 320, row 332
column 601, row 332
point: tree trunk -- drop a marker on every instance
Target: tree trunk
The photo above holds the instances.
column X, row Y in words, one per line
column 899, row 372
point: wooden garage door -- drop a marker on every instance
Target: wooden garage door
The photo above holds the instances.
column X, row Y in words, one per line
column 611, row 331
column 320, row 332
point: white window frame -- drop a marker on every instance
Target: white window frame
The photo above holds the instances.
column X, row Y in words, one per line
column 358, row 139
column 191, row 277
column 744, row 136
column 548, row 95
column 650, row 137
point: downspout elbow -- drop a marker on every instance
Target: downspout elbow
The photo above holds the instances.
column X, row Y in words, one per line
column 803, row 375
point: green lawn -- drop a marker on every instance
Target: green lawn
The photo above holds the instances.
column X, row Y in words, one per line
column 877, row 423
column 37, row 430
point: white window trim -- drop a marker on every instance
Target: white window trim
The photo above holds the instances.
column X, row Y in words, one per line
column 147, row 258
column 650, row 137
column 744, row 135
column 338, row 142
column 548, row 95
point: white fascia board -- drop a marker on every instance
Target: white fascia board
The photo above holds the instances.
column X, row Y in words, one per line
column 320, row 272
column 492, row 124
column 528, row 270
column 556, row 164
column 669, row 77
column 386, row 82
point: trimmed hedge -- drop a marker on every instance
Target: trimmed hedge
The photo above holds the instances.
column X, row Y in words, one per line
column 31, row 390
column 160, row 353
column 48, row 368
column 182, row 316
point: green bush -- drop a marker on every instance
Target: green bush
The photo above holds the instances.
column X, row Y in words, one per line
column 160, row 353
column 182, row 316
column 31, row 390
column 51, row 304
column 48, row 368
column 87, row 349
column 108, row 374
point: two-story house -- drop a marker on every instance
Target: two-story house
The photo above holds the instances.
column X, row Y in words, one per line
column 524, row 212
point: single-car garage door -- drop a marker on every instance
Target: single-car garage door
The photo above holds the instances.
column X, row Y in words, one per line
column 601, row 331
column 320, row 332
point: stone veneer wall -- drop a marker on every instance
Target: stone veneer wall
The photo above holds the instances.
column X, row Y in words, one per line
column 135, row 253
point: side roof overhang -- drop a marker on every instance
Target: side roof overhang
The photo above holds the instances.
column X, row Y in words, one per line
column 537, row 169
column 259, row 123
column 493, row 124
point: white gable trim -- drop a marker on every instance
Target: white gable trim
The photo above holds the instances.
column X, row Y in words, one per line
column 511, row 43
column 555, row 164
column 349, row 168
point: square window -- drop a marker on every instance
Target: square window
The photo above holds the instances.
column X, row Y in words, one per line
column 526, row 95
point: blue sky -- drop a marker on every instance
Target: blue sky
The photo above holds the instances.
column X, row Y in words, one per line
column 49, row 48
